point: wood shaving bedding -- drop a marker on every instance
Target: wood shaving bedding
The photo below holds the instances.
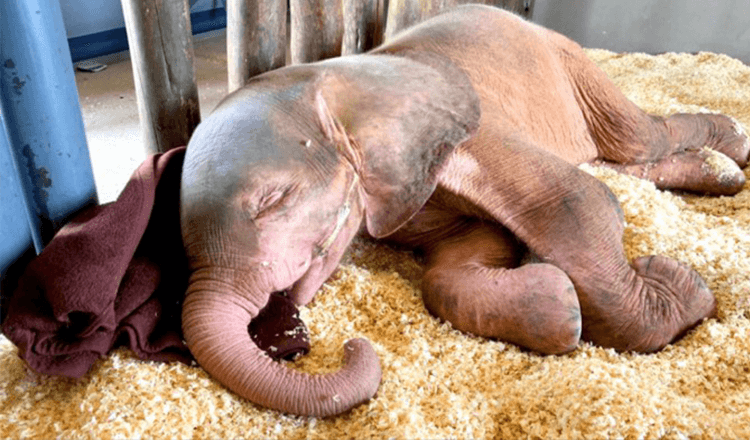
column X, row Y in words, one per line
column 439, row 382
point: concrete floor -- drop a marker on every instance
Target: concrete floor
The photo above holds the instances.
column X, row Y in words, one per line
column 110, row 110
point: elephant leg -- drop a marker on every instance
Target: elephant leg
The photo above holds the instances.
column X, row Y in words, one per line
column 708, row 153
column 573, row 221
column 472, row 281
column 703, row 171
column 710, row 131
column 625, row 134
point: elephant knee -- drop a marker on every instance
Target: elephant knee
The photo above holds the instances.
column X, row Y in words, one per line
column 534, row 306
column 439, row 295
column 452, row 295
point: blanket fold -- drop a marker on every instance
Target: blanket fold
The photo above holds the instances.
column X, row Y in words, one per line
column 115, row 275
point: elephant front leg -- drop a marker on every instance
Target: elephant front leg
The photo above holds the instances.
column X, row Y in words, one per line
column 472, row 281
column 572, row 221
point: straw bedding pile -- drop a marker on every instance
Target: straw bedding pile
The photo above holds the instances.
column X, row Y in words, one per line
column 439, row 382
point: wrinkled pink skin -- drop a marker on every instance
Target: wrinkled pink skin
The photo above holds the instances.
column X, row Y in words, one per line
column 458, row 138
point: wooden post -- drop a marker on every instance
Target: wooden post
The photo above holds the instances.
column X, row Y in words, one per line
column 256, row 38
column 364, row 22
column 161, row 50
column 317, row 29
column 404, row 13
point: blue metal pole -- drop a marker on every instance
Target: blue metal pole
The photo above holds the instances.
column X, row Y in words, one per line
column 43, row 116
column 15, row 239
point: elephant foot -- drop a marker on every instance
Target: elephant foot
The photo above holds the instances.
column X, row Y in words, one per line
column 705, row 171
column 729, row 138
column 534, row 306
column 714, row 131
column 668, row 299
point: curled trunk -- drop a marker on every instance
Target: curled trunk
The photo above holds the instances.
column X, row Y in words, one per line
column 215, row 327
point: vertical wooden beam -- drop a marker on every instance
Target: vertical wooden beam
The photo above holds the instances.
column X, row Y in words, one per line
column 256, row 38
column 364, row 22
column 161, row 50
column 317, row 29
column 405, row 13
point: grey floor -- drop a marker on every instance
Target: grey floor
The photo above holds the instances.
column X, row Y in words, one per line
column 110, row 111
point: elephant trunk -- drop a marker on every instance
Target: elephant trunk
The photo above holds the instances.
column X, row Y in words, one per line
column 215, row 321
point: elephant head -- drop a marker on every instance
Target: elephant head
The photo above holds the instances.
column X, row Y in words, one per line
column 276, row 182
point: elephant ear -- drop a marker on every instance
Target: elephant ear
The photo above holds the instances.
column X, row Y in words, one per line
column 396, row 120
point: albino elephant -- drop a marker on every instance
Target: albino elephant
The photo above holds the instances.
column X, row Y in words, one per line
column 460, row 138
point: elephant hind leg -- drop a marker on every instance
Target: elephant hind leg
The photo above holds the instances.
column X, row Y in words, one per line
column 703, row 171
column 625, row 134
column 710, row 131
column 470, row 284
column 708, row 154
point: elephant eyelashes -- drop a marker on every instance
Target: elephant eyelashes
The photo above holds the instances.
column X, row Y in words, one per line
column 271, row 200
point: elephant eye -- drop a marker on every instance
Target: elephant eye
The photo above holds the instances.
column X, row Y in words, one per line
column 271, row 200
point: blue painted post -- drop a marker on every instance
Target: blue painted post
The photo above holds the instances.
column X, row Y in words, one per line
column 15, row 239
column 39, row 102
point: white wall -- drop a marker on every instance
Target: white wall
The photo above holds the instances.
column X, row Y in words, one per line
column 652, row 26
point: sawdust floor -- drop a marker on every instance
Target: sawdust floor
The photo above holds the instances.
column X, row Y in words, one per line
column 440, row 383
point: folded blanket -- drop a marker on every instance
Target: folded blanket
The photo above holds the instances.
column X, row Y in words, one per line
column 115, row 275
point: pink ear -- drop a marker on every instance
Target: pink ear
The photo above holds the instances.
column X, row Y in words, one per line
column 396, row 121
column 335, row 132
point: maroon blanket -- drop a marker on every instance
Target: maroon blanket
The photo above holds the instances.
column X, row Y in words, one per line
column 115, row 276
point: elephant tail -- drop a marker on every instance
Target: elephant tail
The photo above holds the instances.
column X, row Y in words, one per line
column 215, row 322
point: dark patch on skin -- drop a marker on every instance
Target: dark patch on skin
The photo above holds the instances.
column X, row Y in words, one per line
column 448, row 302
column 608, row 299
column 9, row 64
column 569, row 204
column 615, row 203
column 605, row 300
column 574, row 311
column 536, row 324
column 575, row 314
column 648, row 264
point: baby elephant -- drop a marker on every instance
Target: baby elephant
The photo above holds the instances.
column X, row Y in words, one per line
column 459, row 137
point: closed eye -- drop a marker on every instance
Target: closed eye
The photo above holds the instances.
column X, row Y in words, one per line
column 271, row 200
